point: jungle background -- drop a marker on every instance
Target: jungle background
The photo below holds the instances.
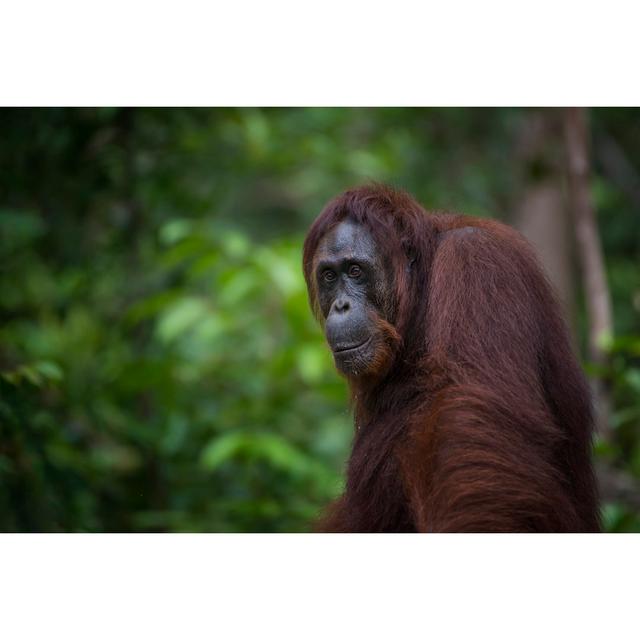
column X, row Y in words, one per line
column 160, row 369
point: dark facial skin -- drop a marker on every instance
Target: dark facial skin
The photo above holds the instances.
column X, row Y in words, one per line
column 352, row 285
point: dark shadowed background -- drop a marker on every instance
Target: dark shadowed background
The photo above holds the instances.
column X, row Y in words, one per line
column 160, row 369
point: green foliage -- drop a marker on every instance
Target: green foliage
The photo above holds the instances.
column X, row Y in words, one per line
column 203, row 399
column 160, row 369
column 623, row 450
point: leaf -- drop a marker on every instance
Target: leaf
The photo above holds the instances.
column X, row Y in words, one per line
column 152, row 305
column 175, row 230
column 633, row 379
column 236, row 244
column 237, row 287
column 180, row 317
column 311, row 361
column 221, row 449
column 49, row 370
column 612, row 514
column 271, row 448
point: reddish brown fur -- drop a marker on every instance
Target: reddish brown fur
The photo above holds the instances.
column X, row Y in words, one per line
column 478, row 417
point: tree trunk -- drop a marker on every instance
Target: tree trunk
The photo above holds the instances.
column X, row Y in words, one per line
column 589, row 251
column 541, row 212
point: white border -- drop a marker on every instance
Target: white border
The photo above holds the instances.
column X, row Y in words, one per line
column 336, row 52
column 319, row 586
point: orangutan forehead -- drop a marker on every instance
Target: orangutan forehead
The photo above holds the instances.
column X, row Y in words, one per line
column 347, row 239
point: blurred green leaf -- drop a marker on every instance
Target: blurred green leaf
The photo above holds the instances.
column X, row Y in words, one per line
column 180, row 316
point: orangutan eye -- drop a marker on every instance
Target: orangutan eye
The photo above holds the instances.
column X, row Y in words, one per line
column 354, row 271
column 328, row 275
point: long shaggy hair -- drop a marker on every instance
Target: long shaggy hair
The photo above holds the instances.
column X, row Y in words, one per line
column 477, row 417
